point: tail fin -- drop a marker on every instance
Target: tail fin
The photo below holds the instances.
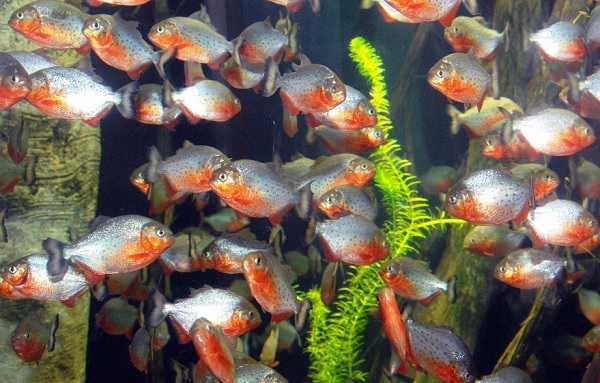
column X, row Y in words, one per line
column 57, row 264
column 125, row 106
column 451, row 291
column 304, row 206
column 52, row 337
column 161, row 58
column 271, row 79
column 155, row 313
column 301, row 317
column 152, row 172
column 454, row 116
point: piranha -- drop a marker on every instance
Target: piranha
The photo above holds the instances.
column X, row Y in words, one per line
column 51, row 24
column 72, row 94
column 592, row 31
column 489, row 197
column 352, row 239
column 180, row 256
column 354, row 113
column 388, row 12
column 393, row 326
column 270, row 285
column 437, row 179
column 493, row 146
column 359, row 141
column 129, row 3
column 411, row 279
column 561, row 41
column 227, row 252
column 261, row 41
column 117, row 317
column 471, row 34
column 255, row 190
column 194, row 40
column 189, row 170
column 29, row 276
column 229, row 311
column 554, row 132
column 139, row 350
column 588, row 179
column 347, row 199
column 591, row 340
column 119, row 44
column 213, row 350
column 461, row 78
column 336, row 170
column 310, row 88
column 507, row 374
column 31, row 337
column 243, row 75
column 33, row 61
column 204, row 100
column 150, row 107
column 478, row 122
column 15, row 83
column 113, row 246
column 530, row 269
column 440, row 353
column 493, row 241
column 545, row 181
column 560, row 222
column 427, row 10
column 589, row 304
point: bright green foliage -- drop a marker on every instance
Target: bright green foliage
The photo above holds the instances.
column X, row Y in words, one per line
column 335, row 338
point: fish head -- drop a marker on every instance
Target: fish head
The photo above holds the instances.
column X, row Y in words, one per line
column 17, row 272
column 245, row 318
column 8, row 291
column 587, row 225
column 375, row 136
column 442, row 76
column 256, row 266
column 26, row 345
column 138, row 178
column 214, row 163
column 15, row 83
column 332, row 90
column 389, row 271
column 156, row 237
column 584, row 134
column 25, row 19
column 491, row 144
column 360, row 171
column 164, row 34
column 98, row 30
column 545, row 182
column 210, row 256
column 507, row 270
column 227, row 182
column 332, row 203
column 365, row 113
column 459, row 201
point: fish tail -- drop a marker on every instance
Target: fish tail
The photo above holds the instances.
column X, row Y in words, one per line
column 235, row 51
column 311, row 231
column 366, row 4
column 29, row 171
column 455, row 117
column 155, row 314
column 471, row 6
column 57, row 263
column 301, row 317
column 451, row 289
column 162, row 57
column 271, row 80
column 505, row 37
column 304, row 205
column 293, row 48
column 152, row 173
column 168, row 93
column 52, row 338
column 125, row 104
column 3, row 232
column 495, row 87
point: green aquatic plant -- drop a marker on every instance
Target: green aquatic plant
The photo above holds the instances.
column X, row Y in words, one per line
column 335, row 338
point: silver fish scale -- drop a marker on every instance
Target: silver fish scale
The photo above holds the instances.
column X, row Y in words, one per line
column 425, row 283
column 69, row 18
column 200, row 35
column 31, row 61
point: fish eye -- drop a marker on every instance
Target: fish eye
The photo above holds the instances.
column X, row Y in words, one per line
column 15, row 79
column 592, row 223
column 371, row 112
column 160, row 29
column 488, row 142
column 206, row 254
column 364, row 166
column 329, row 200
column 257, row 260
column 251, row 314
column 160, row 232
column 27, row 336
column 452, row 200
column 440, row 73
column 390, row 269
column 222, row 177
column 502, row 269
column 12, row 269
column 95, row 25
column 455, row 30
column 20, row 15
column 385, row 244
column 467, row 375
column 588, row 131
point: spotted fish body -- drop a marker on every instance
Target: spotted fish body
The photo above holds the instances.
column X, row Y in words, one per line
column 195, row 41
column 51, row 24
column 545, row 181
column 129, row 3
column 489, row 197
column 189, row 170
column 227, row 252
column 561, row 222
column 478, row 122
column 261, row 41
column 507, row 374
column 270, row 285
column 31, row 336
column 492, row 241
column 354, row 113
column 254, row 189
column 116, row 245
column 244, row 75
column 213, row 350
column 32, row 61
column 393, row 326
column 359, row 141
column 554, row 132
column 230, row 312
column 440, row 353
column 470, row 34
column 529, row 269
column 588, row 179
column 205, row 100
column 347, row 199
column 7, row 291
column 337, row 170
column 493, row 146
column 71, row 94
column 117, row 317
column 460, row 78
column 29, row 276
column 150, row 108
column 411, row 279
column 561, row 41
column 352, row 239
column 119, row 44
column 427, row 10
column 15, row 83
